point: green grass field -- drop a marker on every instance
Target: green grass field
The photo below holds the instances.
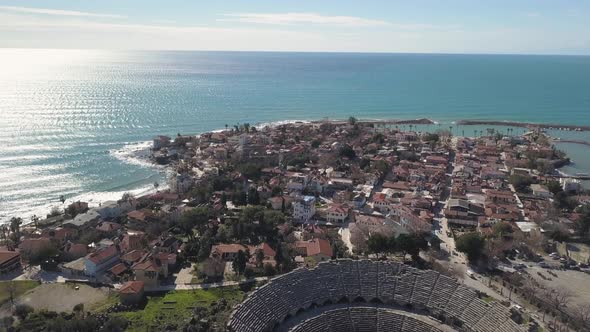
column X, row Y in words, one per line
column 176, row 307
column 18, row 287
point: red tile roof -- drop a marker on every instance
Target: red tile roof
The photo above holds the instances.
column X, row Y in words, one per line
column 7, row 256
column 132, row 287
column 315, row 247
column 118, row 269
column 103, row 255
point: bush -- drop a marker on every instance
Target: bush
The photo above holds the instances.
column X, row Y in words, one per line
column 269, row 270
column 116, row 324
column 347, row 151
column 472, row 244
column 520, row 182
column 23, row 310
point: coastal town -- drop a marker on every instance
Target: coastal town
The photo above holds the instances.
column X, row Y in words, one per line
column 248, row 203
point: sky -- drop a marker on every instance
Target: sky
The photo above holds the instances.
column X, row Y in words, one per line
column 410, row 26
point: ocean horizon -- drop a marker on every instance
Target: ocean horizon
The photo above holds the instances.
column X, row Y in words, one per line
column 78, row 123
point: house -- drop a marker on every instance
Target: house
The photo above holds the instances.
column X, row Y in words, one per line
column 30, row 247
column 131, row 293
column 304, row 208
column 108, row 227
column 318, row 249
column 59, row 234
column 83, row 220
column 101, row 260
column 113, row 209
column 227, row 252
column 9, row 261
column 268, row 254
column 133, row 257
column 337, row 213
column 149, row 269
column 72, row 251
column 117, row 271
column 75, row 268
column 570, row 185
column 541, row 191
column 180, row 183
column 131, row 241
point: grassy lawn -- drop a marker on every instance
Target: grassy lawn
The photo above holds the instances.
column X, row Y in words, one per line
column 488, row 299
column 19, row 287
column 176, row 307
column 111, row 300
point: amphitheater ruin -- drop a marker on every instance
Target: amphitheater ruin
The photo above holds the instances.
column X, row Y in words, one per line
column 365, row 295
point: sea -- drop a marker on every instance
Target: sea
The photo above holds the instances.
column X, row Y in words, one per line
column 78, row 123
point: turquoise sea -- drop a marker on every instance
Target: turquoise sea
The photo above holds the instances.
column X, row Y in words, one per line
column 73, row 122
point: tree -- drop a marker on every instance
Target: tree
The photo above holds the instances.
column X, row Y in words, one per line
column 347, row 151
column 583, row 224
column 23, row 310
column 378, row 243
column 156, row 185
column 581, row 314
column 472, row 244
column 79, row 308
column 352, row 120
column 521, row 183
column 253, row 196
column 554, row 186
column 35, row 220
column 239, row 263
column 224, row 199
column 213, row 268
column 196, row 218
column 435, row 242
column 315, row 143
column 15, row 224
column 269, row 270
column 116, row 324
column 259, row 257
column 62, row 199
column 502, row 229
column 411, row 244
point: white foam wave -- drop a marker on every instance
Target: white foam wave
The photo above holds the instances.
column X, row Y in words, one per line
column 135, row 154
column 94, row 199
column 274, row 124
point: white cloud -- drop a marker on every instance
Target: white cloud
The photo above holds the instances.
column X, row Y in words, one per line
column 36, row 30
column 301, row 18
column 55, row 12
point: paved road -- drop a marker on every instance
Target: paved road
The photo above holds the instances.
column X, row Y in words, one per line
column 165, row 288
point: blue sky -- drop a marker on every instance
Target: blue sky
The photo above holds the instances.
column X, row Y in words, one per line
column 430, row 26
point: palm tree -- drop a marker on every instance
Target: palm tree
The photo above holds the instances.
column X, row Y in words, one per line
column 156, row 185
column 62, row 199
column 15, row 228
column 475, row 133
column 35, row 220
column 226, row 125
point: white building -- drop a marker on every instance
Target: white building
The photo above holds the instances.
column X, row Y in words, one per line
column 337, row 213
column 570, row 185
column 304, row 208
column 180, row 183
column 541, row 191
